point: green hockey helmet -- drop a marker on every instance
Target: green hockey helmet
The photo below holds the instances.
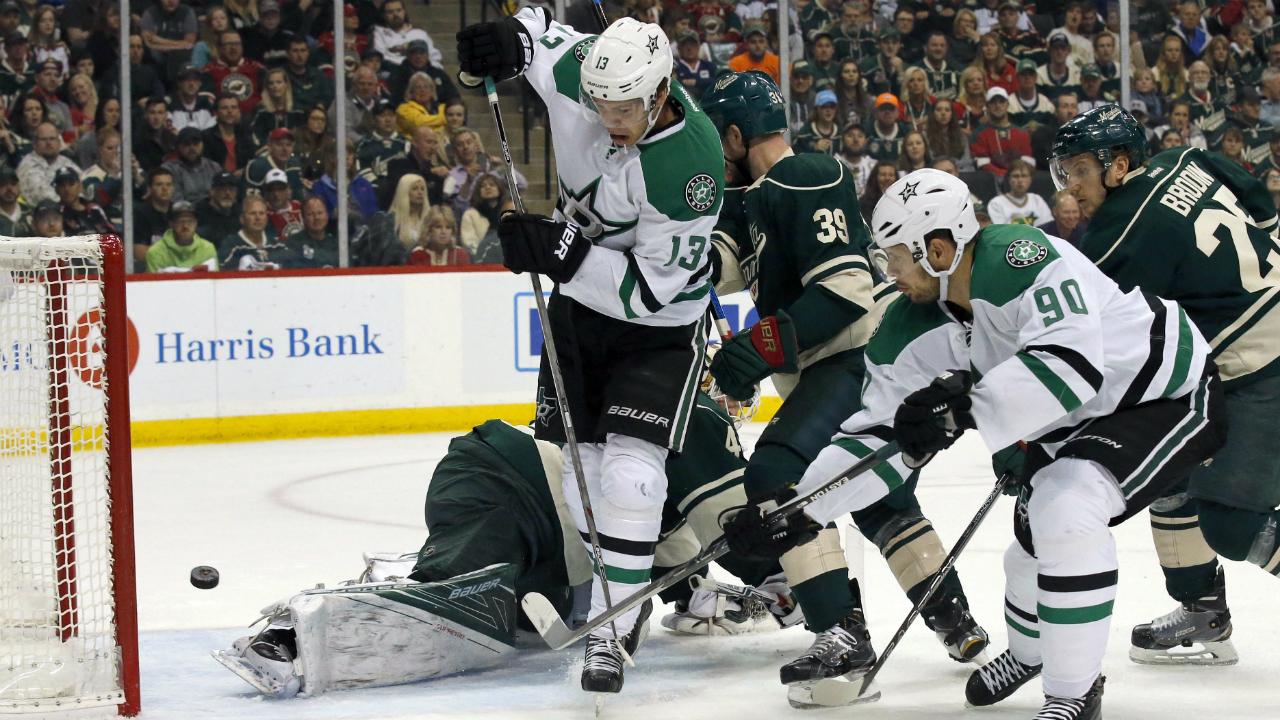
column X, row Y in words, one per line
column 1099, row 131
column 749, row 100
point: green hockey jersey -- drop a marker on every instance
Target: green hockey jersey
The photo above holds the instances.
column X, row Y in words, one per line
column 1194, row 227
column 796, row 240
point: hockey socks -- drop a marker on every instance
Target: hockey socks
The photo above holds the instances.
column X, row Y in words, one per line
column 819, row 577
column 1189, row 564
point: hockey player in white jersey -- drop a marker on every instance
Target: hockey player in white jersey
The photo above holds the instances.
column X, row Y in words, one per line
column 1017, row 335
column 641, row 179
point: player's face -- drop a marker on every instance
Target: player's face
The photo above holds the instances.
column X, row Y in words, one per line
column 626, row 121
column 1081, row 177
column 901, row 268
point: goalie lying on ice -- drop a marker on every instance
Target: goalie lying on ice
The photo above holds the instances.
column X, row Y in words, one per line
column 497, row 530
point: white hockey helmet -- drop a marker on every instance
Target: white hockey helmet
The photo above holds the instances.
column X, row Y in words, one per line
column 628, row 61
column 916, row 205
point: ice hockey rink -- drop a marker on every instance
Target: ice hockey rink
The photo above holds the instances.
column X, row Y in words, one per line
column 277, row 517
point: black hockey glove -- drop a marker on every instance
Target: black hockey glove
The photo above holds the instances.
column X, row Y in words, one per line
column 501, row 49
column 932, row 418
column 749, row 536
column 751, row 356
column 536, row 243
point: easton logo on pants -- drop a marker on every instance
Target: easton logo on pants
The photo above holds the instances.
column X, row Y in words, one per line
column 638, row 415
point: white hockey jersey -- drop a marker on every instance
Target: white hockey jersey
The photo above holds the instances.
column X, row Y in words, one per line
column 649, row 209
column 1052, row 343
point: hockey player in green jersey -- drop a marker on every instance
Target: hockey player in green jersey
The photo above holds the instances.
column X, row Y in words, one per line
column 795, row 238
column 498, row 520
column 1017, row 335
column 1193, row 227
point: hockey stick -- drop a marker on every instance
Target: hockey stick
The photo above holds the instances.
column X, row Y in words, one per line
column 553, row 360
column 558, row 636
column 938, row 577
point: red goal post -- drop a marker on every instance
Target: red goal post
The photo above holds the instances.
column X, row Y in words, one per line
column 68, row 601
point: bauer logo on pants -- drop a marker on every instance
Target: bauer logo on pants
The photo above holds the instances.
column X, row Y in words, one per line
column 639, row 415
column 700, row 193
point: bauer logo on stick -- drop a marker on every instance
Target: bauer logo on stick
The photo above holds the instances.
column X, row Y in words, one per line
column 700, row 193
column 1022, row 253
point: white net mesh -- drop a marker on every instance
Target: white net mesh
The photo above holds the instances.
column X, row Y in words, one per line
column 57, row 627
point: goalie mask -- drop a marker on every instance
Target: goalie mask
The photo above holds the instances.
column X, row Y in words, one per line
column 915, row 206
column 620, row 79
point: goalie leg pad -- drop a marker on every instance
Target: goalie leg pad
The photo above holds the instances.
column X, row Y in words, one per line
column 388, row 634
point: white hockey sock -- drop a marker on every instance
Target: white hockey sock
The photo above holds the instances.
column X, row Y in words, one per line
column 1020, row 598
column 626, row 481
column 1072, row 502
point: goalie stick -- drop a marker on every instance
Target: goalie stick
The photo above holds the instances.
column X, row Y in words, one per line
column 553, row 630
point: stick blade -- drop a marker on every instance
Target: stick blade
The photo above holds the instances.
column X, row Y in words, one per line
column 833, row 692
column 547, row 621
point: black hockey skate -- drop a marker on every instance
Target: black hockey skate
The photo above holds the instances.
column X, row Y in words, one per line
column 1195, row 633
column 960, row 634
column 1088, row 707
column 603, row 670
column 829, row 673
column 997, row 680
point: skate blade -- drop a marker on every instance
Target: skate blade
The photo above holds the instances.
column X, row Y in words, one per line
column 600, row 700
column 1222, row 652
column 832, row 692
column 248, row 673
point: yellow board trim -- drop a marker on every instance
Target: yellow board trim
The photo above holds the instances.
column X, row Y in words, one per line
column 249, row 428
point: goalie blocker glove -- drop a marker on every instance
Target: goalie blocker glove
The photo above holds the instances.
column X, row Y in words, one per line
column 501, row 49
column 932, row 418
column 748, row 358
column 536, row 243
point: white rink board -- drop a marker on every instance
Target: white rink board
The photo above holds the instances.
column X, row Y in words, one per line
column 225, row 347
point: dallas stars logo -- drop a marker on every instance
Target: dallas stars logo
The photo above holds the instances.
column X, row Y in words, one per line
column 546, row 407
column 1022, row 253
column 653, row 44
column 700, row 193
column 580, row 207
column 909, row 191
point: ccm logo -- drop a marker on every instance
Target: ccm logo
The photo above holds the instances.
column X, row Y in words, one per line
column 641, row 416
column 473, row 589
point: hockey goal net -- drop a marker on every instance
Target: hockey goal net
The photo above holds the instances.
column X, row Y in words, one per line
column 68, row 615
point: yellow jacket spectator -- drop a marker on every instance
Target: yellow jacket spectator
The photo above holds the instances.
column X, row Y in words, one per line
column 421, row 108
column 181, row 249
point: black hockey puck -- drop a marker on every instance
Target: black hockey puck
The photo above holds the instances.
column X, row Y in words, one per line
column 204, row 577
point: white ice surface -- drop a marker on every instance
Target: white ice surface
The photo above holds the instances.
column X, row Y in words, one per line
column 277, row 517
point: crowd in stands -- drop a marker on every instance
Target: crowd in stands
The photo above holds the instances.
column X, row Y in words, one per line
column 233, row 151
column 978, row 88
column 234, row 154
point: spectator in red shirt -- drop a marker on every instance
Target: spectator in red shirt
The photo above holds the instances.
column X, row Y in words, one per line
column 285, row 212
column 356, row 42
column 437, row 241
column 999, row 143
column 232, row 74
